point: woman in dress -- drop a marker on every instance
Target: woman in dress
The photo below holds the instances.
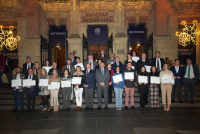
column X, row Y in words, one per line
column 110, row 88
column 154, row 89
column 54, row 93
column 44, row 92
column 166, row 88
column 78, row 88
column 66, row 91
column 143, row 89
column 118, row 88
column 37, row 71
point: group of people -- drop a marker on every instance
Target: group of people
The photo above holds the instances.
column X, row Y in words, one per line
column 99, row 76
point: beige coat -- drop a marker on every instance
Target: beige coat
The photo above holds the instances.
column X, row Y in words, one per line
column 164, row 74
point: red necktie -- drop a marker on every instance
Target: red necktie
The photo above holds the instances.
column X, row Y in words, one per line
column 86, row 73
column 30, row 77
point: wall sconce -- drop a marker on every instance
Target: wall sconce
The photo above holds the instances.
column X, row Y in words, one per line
column 130, row 48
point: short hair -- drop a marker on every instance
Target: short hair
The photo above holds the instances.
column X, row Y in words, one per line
column 99, row 60
column 158, row 52
column 78, row 58
column 90, row 55
column 117, row 57
column 143, row 53
column 18, row 67
column 37, row 62
column 28, row 57
column 68, row 59
column 129, row 62
column 30, row 69
column 188, row 59
column 71, row 53
column 129, row 54
column 54, row 62
column 176, row 60
column 88, row 63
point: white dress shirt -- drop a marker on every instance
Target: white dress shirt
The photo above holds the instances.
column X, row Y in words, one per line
column 91, row 62
column 28, row 65
column 192, row 76
column 159, row 63
column 18, row 78
column 68, row 67
column 177, row 69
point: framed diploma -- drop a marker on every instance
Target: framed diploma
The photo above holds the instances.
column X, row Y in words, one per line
column 76, row 80
column 155, row 80
column 117, row 78
column 66, row 83
column 142, row 79
column 16, row 83
column 129, row 75
column 27, row 82
column 43, row 82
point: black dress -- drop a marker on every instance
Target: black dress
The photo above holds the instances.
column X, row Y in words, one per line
column 143, row 91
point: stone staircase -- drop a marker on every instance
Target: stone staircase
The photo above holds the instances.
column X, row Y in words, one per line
column 7, row 100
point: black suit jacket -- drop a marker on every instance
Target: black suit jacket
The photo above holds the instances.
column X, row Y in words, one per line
column 140, row 64
column 153, row 62
column 10, row 64
column 24, row 68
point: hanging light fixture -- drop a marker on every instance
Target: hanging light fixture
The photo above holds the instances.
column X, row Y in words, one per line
column 12, row 7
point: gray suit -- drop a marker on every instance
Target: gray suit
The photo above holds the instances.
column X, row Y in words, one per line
column 72, row 70
column 105, row 78
column 94, row 64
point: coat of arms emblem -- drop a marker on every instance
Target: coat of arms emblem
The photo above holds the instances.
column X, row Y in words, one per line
column 97, row 31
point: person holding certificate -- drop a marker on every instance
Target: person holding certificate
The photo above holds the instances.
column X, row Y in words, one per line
column 31, row 91
column 37, row 71
column 143, row 89
column 142, row 62
column 66, row 89
column 166, row 87
column 154, row 88
column 18, row 90
column 78, row 88
column 54, row 92
column 118, row 84
column 129, row 59
column 110, row 88
column 130, row 79
column 44, row 90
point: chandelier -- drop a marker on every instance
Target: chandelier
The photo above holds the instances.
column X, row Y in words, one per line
column 188, row 34
column 12, row 7
column 7, row 39
column 185, row 5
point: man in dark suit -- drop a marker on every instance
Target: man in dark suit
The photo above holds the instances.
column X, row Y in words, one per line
column 102, row 82
column 129, row 59
column 30, row 91
column 92, row 62
column 73, row 60
column 158, row 62
column 191, row 76
column 142, row 62
column 118, row 64
column 10, row 66
column 27, row 65
column 54, row 66
column 89, row 86
column 178, row 76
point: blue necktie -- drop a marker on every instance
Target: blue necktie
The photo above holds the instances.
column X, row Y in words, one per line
column 144, row 63
column 158, row 65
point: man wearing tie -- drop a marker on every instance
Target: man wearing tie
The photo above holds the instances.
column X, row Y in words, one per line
column 118, row 64
column 69, row 67
column 91, row 61
column 102, row 82
column 27, row 65
column 54, row 66
column 158, row 62
column 178, row 76
column 89, row 86
column 190, row 78
column 142, row 62
column 30, row 91
column 73, row 60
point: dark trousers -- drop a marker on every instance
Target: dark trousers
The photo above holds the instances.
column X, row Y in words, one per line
column 30, row 99
column 16, row 98
column 45, row 101
column 178, row 86
column 110, row 89
column 66, row 93
column 101, row 90
column 89, row 97
column 1, row 82
column 189, row 84
column 9, row 75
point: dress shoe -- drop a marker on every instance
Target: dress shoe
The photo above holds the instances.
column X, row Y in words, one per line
column 173, row 101
column 77, row 108
column 86, row 108
column 99, row 108
column 106, row 108
column 91, row 109
column 33, row 110
column 192, row 102
column 133, row 107
column 126, row 108
column 180, row 101
column 28, row 110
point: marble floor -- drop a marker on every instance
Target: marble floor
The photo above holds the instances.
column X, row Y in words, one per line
column 148, row 121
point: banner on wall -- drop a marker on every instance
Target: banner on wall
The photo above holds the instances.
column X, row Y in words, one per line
column 97, row 35
column 188, row 51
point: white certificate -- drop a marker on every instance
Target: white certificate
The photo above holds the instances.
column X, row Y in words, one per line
column 33, row 83
column 16, row 83
column 135, row 58
column 47, row 68
column 54, row 85
column 81, row 65
column 117, row 78
column 129, row 75
column 27, row 82
column 66, row 83
column 133, row 67
column 148, row 69
column 142, row 79
column 171, row 81
column 43, row 82
column 154, row 79
column 76, row 80
column 166, row 79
